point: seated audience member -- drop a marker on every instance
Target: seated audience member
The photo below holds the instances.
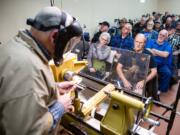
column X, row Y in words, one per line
column 171, row 31
column 104, row 27
column 168, row 24
column 166, row 15
column 157, row 17
column 157, row 26
column 178, row 18
column 139, row 26
column 162, row 51
column 148, row 30
column 123, row 21
column 98, row 54
column 79, row 46
column 174, row 40
column 154, row 14
column 124, row 40
column 139, row 44
column 173, row 21
column 86, row 36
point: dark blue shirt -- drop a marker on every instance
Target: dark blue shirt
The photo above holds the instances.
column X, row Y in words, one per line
column 150, row 35
column 166, row 47
column 139, row 59
column 118, row 42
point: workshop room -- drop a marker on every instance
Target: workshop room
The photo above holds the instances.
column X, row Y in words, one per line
column 89, row 67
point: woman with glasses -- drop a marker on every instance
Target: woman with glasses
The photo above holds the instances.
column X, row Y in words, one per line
column 98, row 54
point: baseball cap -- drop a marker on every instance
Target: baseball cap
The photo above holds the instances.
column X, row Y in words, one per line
column 157, row 21
column 50, row 17
column 104, row 23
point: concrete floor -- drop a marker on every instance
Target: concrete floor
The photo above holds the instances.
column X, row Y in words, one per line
column 168, row 98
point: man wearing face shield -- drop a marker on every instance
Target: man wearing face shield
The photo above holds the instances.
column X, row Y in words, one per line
column 30, row 100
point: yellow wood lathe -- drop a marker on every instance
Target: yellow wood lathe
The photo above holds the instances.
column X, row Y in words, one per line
column 120, row 115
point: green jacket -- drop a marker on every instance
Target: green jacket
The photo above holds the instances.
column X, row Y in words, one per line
column 26, row 88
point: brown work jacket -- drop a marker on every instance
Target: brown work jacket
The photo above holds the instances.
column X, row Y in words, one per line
column 26, row 88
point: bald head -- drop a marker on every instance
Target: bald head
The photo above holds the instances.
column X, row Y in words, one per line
column 139, row 42
column 141, row 36
column 162, row 36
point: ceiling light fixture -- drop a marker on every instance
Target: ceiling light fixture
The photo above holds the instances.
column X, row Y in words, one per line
column 142, row 1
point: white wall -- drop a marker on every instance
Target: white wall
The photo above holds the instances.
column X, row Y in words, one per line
column 91, row 12
column 173, row 6
column 13, row 13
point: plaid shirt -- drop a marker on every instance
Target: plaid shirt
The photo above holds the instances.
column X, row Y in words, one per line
column 174, row 40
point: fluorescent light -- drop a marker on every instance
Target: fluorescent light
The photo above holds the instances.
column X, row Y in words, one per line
column 142, row 1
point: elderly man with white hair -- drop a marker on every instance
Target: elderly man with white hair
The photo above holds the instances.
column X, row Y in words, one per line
column 162, row 51
column 139, row 44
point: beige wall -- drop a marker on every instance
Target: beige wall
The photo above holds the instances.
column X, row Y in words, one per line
column 91, row 12
column 173, row 6
column 13, row 13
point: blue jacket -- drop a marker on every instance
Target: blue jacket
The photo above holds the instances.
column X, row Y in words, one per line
column 118, row 42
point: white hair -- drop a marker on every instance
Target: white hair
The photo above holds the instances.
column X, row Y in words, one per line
column 105, row 34
column 164, row 31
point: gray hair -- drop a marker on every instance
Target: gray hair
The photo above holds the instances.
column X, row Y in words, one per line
column 140, row 35
column 129, row 26
column 105, row 34
column 165, row 32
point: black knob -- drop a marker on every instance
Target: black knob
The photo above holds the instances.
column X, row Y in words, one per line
column 115, row 106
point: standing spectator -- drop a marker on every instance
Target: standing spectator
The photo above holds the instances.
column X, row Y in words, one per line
column 162, row 51
column 104, row 27
column 125, row 40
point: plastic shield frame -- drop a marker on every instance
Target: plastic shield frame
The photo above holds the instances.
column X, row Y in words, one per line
column 135, row 67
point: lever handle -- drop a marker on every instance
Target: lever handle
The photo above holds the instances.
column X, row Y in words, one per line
column 151, row 121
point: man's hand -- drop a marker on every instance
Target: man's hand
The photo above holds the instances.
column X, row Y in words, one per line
column 153, row 51
column 66, row 101
column 127, row 85
column 92, row 70
column 65, row 87
column 140, row 85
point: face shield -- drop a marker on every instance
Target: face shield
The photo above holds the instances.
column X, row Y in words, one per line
column 74, row 30
column 53, row 18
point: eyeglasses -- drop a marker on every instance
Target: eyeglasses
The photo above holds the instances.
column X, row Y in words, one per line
column 149, row 24
column 104, row 39
column 163, row 35
column 127, row 28
column 140, row 43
